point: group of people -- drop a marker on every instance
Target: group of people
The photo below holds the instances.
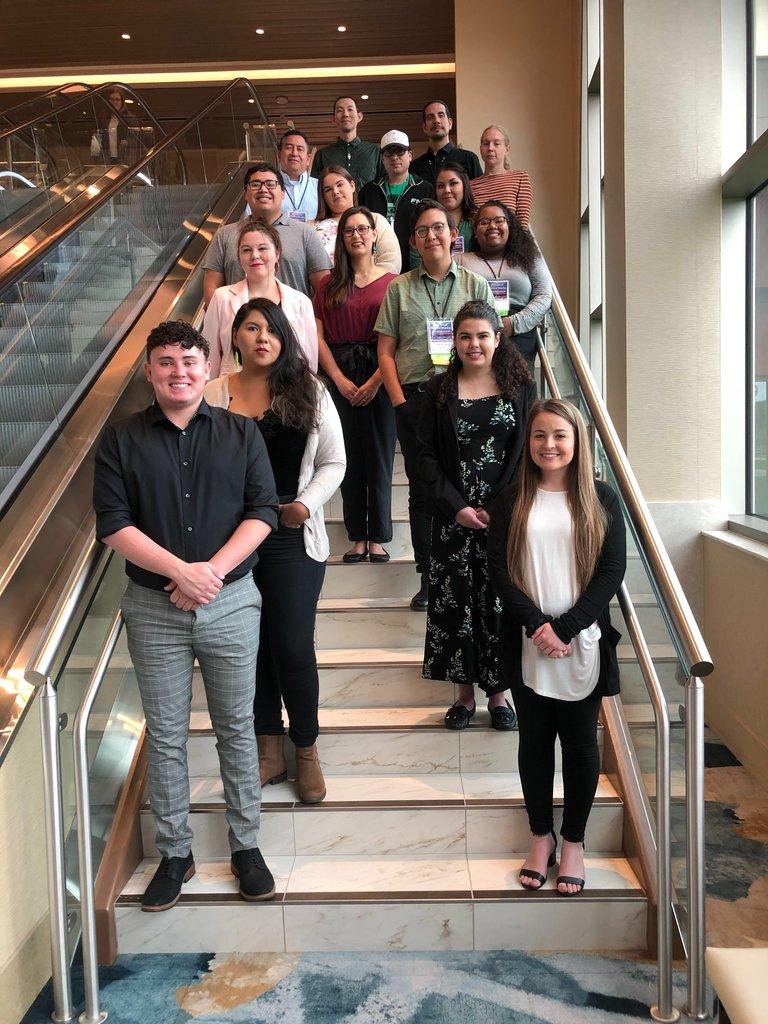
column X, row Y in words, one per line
column 344, row 313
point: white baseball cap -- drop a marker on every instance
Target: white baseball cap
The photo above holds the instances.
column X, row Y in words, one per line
column 395, row 138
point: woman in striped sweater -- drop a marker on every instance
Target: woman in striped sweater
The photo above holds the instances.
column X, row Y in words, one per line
column 500, row 182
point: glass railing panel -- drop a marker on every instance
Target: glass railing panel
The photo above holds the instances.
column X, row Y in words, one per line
column 42, row 104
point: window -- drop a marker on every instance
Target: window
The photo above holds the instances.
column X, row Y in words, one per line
column 757, row 360
column 758, row 28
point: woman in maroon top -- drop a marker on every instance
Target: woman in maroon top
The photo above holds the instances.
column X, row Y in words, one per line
column 346, row 306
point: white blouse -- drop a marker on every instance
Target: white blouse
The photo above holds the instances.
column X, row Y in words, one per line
column 550, row 571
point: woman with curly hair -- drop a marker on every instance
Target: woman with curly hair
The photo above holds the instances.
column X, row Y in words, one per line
column 471, row 429
column 506, row 255
column 302, row 433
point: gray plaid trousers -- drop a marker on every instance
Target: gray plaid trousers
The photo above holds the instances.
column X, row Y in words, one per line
column 163, row 643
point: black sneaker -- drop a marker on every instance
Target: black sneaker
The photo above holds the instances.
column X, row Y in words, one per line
column 164, row 890
column 256, row 881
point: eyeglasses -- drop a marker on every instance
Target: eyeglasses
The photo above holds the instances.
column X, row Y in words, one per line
column 436, row 229
column 486, row 222
column 362, row 230
column 257, row 186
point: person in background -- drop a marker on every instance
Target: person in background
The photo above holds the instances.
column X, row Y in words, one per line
column 557, row 555
column 300, row 195
column 471, row 428
column 349, row 151
column 260, row 249
column 506, row 255
column 185, row 493
column 346, row 305
column 303, row 262
column 396, row 193
column 302, row 433
column 499, row 182
column 337, row 193
column 415, row 327
column 453, row 191
column 116, row 127
column 438, row 121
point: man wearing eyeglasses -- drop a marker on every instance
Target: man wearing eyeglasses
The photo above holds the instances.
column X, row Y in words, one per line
column 396, row 195
column 303, row 262
column 300, row 196
column 415, row 325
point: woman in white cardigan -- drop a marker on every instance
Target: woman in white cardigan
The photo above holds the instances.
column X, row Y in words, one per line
column 259, row 250
column 302, row 432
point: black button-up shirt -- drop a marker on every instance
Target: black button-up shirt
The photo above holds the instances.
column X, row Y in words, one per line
column 429, row 164
column 187, row 489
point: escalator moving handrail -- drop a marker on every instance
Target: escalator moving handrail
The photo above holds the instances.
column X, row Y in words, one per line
column 690, row 642
column 44, row 95
column 23, row 263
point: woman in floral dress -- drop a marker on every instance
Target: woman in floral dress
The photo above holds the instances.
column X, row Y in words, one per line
column 472, row 430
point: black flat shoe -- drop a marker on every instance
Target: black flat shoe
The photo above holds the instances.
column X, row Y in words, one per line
column 570, row 880
column 536, row 876
column 256, row 881
column 458, row 717
column 164, row 890
column 380, row 558
column 503, row 718
column 353, row 557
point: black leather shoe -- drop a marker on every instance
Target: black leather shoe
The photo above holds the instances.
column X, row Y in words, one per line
column 352, row 557
column 457, row 716
column 164, row 890
column 378, row 557
column 503, row 718
column 256, row 881
column 420, row 599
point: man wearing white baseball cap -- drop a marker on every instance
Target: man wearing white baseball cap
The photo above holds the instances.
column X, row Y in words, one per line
column 396, row 194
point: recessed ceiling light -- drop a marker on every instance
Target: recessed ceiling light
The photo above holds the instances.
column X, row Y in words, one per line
column 281, row 101
column 125, row 36
column 342, row 28
column 129, row 101
column 251, row 100
column 364, row 96
column 259, row 31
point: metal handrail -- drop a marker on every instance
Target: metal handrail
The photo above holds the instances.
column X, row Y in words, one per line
column 686, row 632
column 36, row 252
column 44, row 95
column 663, row 1011
column 92, row 1014
column 32, row 121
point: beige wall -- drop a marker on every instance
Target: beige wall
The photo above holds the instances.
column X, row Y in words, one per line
column 736, row 694
column 25, row 957
column 517, row 64
column 672, row 114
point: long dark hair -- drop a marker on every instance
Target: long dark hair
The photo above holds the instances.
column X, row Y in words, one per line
column 323, row 213
column 521, row 249
column 342, row 276
column 509, row 367
column 292, row 385
column 468, row 208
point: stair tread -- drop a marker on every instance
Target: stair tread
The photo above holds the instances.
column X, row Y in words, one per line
column 455, row 789
column 399, row 560
column 391, row 879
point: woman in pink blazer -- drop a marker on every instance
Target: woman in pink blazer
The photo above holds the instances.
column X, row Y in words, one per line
column 259, row 249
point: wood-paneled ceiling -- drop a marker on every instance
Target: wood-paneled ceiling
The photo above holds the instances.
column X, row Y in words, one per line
column 39, row 34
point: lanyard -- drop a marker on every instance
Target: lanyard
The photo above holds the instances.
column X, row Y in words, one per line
column 495, row 273
column 306, row 186
column 438, row 315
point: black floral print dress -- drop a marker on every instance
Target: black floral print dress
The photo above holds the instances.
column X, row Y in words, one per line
column 464, row 614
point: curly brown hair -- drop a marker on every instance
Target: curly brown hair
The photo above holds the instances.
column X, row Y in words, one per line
column 521, row 249
column 509, row 367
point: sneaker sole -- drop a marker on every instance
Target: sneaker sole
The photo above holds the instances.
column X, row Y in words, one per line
column 167, row 906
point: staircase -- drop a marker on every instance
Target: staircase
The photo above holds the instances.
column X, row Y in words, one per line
column 418, row 843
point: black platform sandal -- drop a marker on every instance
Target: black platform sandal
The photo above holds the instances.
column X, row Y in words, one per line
column 536, row 876
column 570, row 880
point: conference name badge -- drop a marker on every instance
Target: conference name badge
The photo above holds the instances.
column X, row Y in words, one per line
column 500, row 292
column 457, row 245
column 440, row 339
column 297, row 215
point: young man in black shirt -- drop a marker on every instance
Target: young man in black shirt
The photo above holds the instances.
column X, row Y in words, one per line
column 185, row 493
column 437, row 121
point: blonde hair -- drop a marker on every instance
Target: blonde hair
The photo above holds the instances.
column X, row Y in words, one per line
column 588, row 515
column 507, row 142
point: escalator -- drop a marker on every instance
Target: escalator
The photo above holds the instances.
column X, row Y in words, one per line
column 41, row 103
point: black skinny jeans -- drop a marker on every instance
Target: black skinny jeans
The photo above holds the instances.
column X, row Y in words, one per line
column 407, row 419
column 290, row 583
column 541, row 720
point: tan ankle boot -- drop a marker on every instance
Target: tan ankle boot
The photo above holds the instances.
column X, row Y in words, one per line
column 309, row 775
column 272, row 767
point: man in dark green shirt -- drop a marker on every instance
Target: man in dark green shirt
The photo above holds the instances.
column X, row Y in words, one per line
column 349, row 151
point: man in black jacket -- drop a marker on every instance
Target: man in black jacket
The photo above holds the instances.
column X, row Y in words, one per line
column 437, row 120
column 396, row 195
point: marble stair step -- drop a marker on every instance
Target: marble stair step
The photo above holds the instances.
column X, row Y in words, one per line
column 369, row 622
column 334, row 505
column 449, row 901
column 385, row 815
column 399, row 547
column 381, row 741
column 396, row 578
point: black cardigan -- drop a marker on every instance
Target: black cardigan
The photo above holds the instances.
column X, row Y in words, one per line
column 593, row 605
column 439, row 439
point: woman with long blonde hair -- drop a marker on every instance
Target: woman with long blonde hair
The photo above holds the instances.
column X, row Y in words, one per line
column 498, row 181
column 556, row 555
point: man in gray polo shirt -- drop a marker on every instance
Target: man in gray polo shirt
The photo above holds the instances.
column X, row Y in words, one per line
column 304, row 261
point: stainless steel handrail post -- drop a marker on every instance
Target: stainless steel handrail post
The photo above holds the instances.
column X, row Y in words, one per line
column 57, row 875
column 91, row 1014
column 694, row 782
